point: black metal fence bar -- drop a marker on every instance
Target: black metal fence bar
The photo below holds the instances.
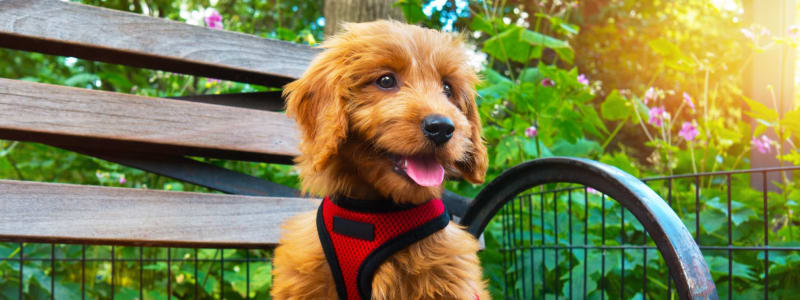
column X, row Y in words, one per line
column 141, row 272
column 555, row 234
column 730, row 235
column 112, row 273
column 585, row 239
column 530, row 239
column 196, row 267
column 669, row 200
column 569, row 215
column 603, row 252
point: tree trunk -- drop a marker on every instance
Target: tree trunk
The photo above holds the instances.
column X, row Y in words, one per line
column 343, row 11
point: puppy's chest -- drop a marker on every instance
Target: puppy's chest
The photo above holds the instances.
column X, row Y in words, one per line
column 356, row 243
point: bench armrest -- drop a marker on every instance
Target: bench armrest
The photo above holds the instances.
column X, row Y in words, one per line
column 686, row 263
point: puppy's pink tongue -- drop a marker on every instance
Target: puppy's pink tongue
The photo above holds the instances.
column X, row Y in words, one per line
column 424, row 170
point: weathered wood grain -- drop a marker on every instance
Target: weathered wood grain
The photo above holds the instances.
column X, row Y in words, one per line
column 84, row 118
column 49, row 212
column 71, row 29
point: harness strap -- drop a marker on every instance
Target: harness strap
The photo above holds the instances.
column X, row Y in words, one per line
column 357, row 242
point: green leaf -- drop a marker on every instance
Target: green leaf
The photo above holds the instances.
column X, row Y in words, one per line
column 81, row 80
column 672, row 54
column 591, row 119
column 615, row 107
column 560, row 24
column 665, row 48
column 571, row 28
column 507, row 45
column 412, row 10
column 493, row 76
column 561, row 47
column 530, row 75
column 791, row 120
column 496, row 85
column 529, row 146
column 118, row 81
column 719, row 265
column 480, row 24
column 713, row 220
column 535, row 38
column 582, row 148
column 503, row 151
column 566, row 54
column 621, row 161
column 760, row 111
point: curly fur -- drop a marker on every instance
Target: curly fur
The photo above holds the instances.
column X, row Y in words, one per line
column 350, row 128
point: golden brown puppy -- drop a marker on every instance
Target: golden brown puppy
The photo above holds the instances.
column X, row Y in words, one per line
column 362, row 108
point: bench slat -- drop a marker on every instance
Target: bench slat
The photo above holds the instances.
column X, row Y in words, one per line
column 84, row 118
column 48, row 212
column 94, row 33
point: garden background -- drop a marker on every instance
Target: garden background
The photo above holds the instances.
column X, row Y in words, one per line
column 652, row 87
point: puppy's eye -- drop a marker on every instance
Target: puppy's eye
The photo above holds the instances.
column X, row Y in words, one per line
column 448, row 91
column 386, row 81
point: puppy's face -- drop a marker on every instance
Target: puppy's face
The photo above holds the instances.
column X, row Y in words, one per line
column 390, row 106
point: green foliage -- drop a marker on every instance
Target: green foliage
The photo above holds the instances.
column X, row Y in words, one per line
column 536, row 100
column 666, row 98
column 412, row 10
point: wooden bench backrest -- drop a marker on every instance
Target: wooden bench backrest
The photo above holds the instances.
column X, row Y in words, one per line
column 154, row 134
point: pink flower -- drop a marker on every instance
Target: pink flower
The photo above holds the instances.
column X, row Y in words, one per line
column 657, row 116
column 213, row 19
column 122, row 179
column 592, row 191
column 583, row 80
column 688, row 100
column 650, row 94
column 762, row 144
column 531, row 131
column 688, row 131
column 548, row 82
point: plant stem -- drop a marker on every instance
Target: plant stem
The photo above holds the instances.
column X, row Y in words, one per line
column 538, row 149
column 691, row 151
column 641, row 122
column 613, row 134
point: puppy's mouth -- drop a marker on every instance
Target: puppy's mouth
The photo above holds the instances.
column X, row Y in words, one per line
column 423, row 169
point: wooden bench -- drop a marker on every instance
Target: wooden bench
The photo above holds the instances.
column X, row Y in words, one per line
column 159, row 134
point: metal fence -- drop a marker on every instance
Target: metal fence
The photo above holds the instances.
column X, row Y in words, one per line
column 74, row 271
column 572, row 242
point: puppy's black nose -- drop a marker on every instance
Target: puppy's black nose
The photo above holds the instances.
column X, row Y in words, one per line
column 437, row 128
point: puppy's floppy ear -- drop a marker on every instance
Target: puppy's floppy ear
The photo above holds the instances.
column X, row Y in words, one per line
column 317, row 104
column 474, row 167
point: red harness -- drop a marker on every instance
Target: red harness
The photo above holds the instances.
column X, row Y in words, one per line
column 356, row 241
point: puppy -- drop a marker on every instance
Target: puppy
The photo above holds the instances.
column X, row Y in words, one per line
column 386, row 111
